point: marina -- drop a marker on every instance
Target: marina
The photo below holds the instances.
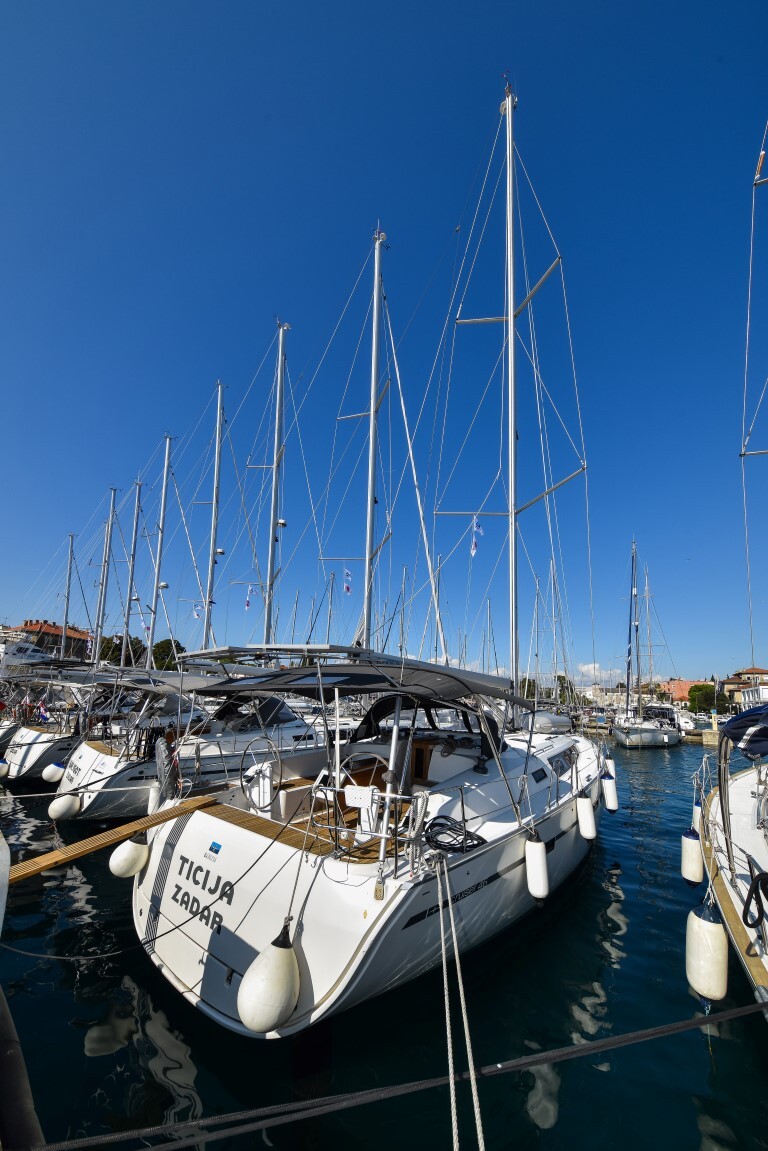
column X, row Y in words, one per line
column 111, row 1046
column 339, row 805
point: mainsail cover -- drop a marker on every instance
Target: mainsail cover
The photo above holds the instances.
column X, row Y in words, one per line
column 748, row 731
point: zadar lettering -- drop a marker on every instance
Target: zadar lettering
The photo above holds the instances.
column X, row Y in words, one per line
column 213, row 887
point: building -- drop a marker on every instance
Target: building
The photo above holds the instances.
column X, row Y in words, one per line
column 747, row 688
column 46, row 635
column 677, row 689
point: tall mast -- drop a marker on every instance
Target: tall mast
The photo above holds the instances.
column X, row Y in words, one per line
column 102, row 604
column 510, row 103
column 131, row 568
column 637, row 639
column 632, row 593
column 159, row 552
column 66, row 599
column 214, row 517
column 276, row 459
column 330, row 607
column 648, row 628
column 378, row 239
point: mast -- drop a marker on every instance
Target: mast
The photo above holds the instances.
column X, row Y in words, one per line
column 510, row 104
column 66, row 599
column 277, row 457
column 378, row 239
column 131, row 568
column 637, row 639
column 648, row 627
column 159, row 552
column 632, row 593
column 214, row 517
column 104, row 580
column 330, row 607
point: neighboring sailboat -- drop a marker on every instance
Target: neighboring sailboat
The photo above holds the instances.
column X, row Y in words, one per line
column 344, row 871
column 638, row 727
column 727, row 843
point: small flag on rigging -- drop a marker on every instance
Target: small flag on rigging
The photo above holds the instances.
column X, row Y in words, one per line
column 248, row 597
column 476, row 531
column 347, row 582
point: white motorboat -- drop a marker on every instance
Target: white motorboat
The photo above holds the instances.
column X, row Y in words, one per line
column 348, row 856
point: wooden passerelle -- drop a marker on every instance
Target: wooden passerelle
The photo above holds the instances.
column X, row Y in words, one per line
column 40, row 863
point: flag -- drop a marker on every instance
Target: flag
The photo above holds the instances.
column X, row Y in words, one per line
column 196, row 610
column 476, row 531
column 248, row 597
column 89, row 645
column 43, row 712
column 347, row 582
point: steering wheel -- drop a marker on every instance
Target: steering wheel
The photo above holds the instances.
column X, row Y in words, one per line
column 247, row 789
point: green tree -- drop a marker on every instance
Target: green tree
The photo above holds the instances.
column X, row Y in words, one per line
column 111, row 649
column 564, row 690
column 162, row 654
column 701, row 696
column 528, row 688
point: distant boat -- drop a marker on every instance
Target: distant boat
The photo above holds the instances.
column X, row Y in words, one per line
column 638, row 727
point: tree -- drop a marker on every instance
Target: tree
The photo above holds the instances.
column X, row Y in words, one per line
column 528, row 688
column 111, row 650
column 701, row 698
column 163, row 656
column 564, row 689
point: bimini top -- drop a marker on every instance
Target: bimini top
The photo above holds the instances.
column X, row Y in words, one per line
column 749, row 732
column 318, row 670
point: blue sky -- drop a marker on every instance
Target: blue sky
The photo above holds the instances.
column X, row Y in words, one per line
column 176, row 176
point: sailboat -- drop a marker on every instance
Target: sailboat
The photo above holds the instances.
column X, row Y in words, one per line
column 642, row 726
column 727, row 843
column 349, row 869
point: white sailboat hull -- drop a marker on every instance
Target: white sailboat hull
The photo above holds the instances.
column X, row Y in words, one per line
column 31, row 750
column 637, row 735
column 214, row 895
column 112, row 786
column 730, row 892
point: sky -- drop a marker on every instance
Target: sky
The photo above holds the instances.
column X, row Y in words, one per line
column 177, row 178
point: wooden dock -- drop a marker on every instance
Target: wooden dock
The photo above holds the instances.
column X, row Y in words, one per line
column 39, row 863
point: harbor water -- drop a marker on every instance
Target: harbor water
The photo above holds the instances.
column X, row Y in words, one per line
column 110, row 1046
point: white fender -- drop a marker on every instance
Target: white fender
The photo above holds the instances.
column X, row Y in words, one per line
column 3, row 768
column 54, row 772
column 129, row 858
column 64, row 806
column 269, row 990
column 696, row 822
column 691, row 859
column 706, row 953
column 536, row 867
column 586, row 815
column 610, row 794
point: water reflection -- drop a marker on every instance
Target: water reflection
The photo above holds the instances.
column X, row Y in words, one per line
column 154, row 1082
